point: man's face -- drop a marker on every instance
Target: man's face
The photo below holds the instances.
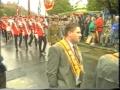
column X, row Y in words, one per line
column 75, row 35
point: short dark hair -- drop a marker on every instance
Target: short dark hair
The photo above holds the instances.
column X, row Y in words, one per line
column 70, row 27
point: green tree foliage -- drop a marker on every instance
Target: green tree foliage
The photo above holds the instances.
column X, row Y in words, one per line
column 61, row 6
column 93, row 5
column 112, row 5
column 10, row 10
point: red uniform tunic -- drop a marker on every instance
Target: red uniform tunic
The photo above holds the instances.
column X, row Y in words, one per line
column 25, row 29
column 15, row 29
column 20, row 26
column 0, row 25
column 31, row 26
column 3, row 25
column 39, row 30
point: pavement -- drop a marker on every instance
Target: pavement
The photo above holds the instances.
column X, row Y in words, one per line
column 27, row 70
column 98, row 46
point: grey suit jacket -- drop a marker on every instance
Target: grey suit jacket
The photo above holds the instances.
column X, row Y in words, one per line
column 107, row 72
column 59, row 71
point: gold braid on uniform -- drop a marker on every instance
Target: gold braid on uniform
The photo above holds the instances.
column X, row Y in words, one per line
column 74, row 62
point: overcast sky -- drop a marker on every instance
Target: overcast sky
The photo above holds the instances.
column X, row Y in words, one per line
column 34, row 3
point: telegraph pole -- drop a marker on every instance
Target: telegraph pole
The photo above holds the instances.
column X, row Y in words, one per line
column 18, row 9
column 28, row 7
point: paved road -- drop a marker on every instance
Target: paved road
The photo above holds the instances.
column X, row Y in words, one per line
column 26, row 70
column 90, row 57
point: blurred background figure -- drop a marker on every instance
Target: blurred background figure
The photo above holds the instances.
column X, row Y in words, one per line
column 114, row 38
column 91, row 36
column 2, row 74
column 107, row 71
column 99, row 27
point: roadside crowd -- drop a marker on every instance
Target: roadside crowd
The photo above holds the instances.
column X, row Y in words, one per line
column 95, row 30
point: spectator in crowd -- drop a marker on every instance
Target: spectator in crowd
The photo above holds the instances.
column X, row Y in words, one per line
column 105, row 37
column 115, row 33
column 91, row 36
column 81, row 23
column 86, row 25
column 53, row 31
column 99, row 27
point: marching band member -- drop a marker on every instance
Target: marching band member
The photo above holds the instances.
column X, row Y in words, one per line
column 39, row 35
column 15, row 33
column 31, row 25
column 44, row 37
column 20, row 26
column 3, row 27
column 25, row 33
column 9, row 27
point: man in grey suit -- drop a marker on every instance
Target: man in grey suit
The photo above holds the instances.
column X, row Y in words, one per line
column 64, row 67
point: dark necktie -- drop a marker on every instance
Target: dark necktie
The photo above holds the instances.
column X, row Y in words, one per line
column 76, row 52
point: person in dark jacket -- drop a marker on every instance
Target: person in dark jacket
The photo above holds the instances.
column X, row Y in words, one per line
column 2, row 74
